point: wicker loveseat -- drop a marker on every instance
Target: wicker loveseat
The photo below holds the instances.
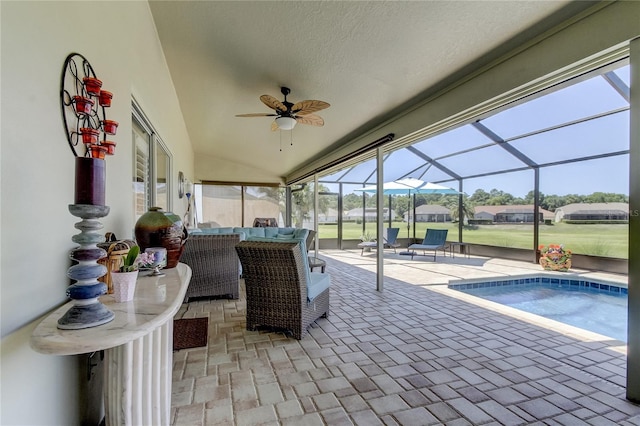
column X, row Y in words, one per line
column 281, row 291
column 214, row 265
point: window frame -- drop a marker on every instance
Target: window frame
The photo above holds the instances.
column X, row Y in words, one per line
column 155, row 147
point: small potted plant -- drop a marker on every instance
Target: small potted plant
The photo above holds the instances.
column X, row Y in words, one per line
column 124, row 279
column 555, row 257
column 368, row 237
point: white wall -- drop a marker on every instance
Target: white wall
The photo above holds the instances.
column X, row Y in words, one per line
column 37, row 174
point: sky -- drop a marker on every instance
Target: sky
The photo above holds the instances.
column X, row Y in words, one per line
column 546, row 129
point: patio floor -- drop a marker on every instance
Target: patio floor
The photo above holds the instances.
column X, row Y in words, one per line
column 414, row 354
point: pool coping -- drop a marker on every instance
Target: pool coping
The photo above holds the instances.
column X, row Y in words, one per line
column 549, row 278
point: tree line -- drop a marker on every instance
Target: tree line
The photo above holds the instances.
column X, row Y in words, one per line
column 496, row 197
column 402, row 203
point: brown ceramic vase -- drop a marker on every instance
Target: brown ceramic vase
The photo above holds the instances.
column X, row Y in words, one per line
column 157, row 228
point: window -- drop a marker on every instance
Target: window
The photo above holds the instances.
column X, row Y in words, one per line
column 237, row 205
column 263, row 202
column 141, row 173
column 162, row 174
column 151, row 168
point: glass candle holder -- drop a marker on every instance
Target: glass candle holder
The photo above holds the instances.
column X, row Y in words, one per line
column 159, row 256
column 82, row 105
column 109, row 126
column 89, row 135
column 92, row 85
column 111, row 147
column 105, row 98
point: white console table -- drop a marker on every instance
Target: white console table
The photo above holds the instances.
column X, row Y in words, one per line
column 138, row 347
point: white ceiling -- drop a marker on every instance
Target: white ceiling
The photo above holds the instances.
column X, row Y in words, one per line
column 368, row 59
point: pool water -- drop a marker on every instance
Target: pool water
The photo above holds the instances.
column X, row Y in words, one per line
column 602, row 312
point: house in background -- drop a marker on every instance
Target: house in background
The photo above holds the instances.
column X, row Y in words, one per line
column 429, row 213
column 329, row 216
column 370, row 214
column 510, row 214
column 610, row 212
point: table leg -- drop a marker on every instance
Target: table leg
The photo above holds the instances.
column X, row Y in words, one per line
column 138, row 376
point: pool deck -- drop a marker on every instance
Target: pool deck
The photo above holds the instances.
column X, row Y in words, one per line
column 416, row 353
column 423, row 271
column 436, row 276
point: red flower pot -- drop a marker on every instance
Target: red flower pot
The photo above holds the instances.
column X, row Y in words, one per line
column 83, row 105
column 89, row 135
column 105, row 98
column 110, row 126
column 111, row 147
column 92, row 85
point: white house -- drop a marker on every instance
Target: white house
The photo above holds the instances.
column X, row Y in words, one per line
column 593, row 212
column 429, row 213
column 370, row 214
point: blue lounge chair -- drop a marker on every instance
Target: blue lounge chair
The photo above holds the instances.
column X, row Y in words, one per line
column 390, row 238
column 434, row 239
column 388, row 241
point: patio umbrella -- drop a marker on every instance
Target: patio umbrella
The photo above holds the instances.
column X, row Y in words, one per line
column 434, row 188
column 396, row 187
column 409, row 186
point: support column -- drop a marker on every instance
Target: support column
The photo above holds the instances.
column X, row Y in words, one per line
column 316, row 206
column 536, row 213
column 380, row 220
column 633, row 333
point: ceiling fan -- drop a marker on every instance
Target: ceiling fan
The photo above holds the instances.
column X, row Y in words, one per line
column 288, row 114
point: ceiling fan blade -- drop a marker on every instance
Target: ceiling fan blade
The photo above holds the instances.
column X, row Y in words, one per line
column 309, row 106
column 274, row 126
column 273, row 103
column 310, row 119
column 257, row 114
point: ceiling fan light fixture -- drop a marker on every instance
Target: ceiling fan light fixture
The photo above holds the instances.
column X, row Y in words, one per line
column 286, row 123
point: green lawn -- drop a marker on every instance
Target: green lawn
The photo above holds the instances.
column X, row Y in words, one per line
column 599, row 240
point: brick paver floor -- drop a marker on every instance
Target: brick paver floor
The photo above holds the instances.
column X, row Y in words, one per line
column 413, row 354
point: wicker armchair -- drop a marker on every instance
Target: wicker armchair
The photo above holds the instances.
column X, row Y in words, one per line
column 275, row 276
column 214, row 265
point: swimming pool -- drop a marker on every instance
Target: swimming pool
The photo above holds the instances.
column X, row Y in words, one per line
column 593, row 306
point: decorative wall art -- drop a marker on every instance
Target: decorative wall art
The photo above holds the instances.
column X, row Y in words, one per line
column 84, row 104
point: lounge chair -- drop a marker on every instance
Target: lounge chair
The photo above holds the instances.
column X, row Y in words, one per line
column 434, row 239
column 390, row 238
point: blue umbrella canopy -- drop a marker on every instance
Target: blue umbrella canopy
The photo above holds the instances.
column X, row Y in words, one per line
column 434, row 188
column 410, row 186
